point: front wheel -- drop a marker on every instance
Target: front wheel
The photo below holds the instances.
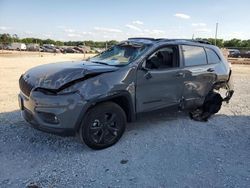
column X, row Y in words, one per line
column 103, row 125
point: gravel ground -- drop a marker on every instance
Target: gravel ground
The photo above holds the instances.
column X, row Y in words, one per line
column 158, row 150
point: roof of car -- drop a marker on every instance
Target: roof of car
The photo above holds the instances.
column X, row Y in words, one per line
column 164, row 40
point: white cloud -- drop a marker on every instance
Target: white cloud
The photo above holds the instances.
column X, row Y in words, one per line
column 205, row 30
column 138, row 22
column 69, row 30
column 153, row 32
column 28, row 32
column 182, row 16
column 235, row 34
column 47, row 35
column 133, row 27
column 61, row 27
column 157, row 32
column 199, row 24
column 109, row 30
column 87, row 33
column 73, row 35
column 4, row 28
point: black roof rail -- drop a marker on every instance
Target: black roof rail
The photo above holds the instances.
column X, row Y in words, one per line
column 165, row 39
column 203, row 41
column 188, row 40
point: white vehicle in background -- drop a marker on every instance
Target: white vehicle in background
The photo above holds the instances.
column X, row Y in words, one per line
column 33, row 47
column 17, row 46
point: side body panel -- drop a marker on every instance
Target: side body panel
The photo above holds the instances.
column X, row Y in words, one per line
column 200, row 79
column 158, row 89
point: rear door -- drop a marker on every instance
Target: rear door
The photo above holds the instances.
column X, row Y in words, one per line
column 199, row 74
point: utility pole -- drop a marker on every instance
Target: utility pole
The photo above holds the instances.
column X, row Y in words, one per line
column 216, row 31
column 84, row 50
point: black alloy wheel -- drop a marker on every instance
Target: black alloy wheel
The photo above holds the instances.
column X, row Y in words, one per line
column 103, row 125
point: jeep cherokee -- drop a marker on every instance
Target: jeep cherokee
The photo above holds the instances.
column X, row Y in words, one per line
column 95, row 98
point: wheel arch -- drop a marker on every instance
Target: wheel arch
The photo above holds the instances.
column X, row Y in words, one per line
column 123, row 99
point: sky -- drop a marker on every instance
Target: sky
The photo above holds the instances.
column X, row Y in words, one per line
column 102, row 20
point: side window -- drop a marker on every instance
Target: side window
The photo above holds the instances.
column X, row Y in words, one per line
column 194, row 55
column 163, row 58
column 212, row 57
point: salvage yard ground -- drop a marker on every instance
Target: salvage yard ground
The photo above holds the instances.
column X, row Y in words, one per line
column 158, row 150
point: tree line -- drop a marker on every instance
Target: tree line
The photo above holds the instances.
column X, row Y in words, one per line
column 6, row 38
column 233, row 43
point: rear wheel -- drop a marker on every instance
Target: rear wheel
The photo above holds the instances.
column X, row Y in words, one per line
column 103, row 125
column 212, row 105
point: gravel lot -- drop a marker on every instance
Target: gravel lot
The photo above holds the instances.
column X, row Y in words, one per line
column 158, row 150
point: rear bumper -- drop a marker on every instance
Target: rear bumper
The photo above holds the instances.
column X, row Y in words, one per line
column 58, row 114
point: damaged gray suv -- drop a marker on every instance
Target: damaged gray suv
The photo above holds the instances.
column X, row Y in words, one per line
column 95, row 98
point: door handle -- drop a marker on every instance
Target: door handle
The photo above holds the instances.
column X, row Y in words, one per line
column 210, row 70
column 179, row 74
column 148, row 75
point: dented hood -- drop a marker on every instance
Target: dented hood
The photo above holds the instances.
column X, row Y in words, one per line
column 55, row 75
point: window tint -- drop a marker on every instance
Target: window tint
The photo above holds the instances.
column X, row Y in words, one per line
column 194, row 55
column 212, row 57
column 163, row 58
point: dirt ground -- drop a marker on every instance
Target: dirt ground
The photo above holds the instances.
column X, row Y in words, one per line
column 158, row 150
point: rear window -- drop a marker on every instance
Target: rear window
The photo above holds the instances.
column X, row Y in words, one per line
column 194, row 55
column 212, row 57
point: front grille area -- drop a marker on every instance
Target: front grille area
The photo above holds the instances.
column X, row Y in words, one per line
column 25, row 86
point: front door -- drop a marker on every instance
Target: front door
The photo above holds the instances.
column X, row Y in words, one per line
column 160, row 80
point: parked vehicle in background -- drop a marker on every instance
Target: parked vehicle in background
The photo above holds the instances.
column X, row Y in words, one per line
column 17, row 46
column 96, row 98
column 50, row 48
column 33, row 47
column 45, row 49
column 234, row 53
column 245, row 54
column 80, row 50
column 71, row 50
column 85, row 49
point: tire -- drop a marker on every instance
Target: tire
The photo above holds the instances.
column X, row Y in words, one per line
column 212, row 105
column 103, row 125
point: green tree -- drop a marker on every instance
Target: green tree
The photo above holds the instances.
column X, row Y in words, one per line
column 219, row 42
column 59, row 43
column 245, row 43
column 15, row 38
column 6, row 39
column 233, row 43
column 49, row 41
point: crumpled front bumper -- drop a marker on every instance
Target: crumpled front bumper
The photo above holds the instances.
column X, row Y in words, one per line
column 57, row 114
